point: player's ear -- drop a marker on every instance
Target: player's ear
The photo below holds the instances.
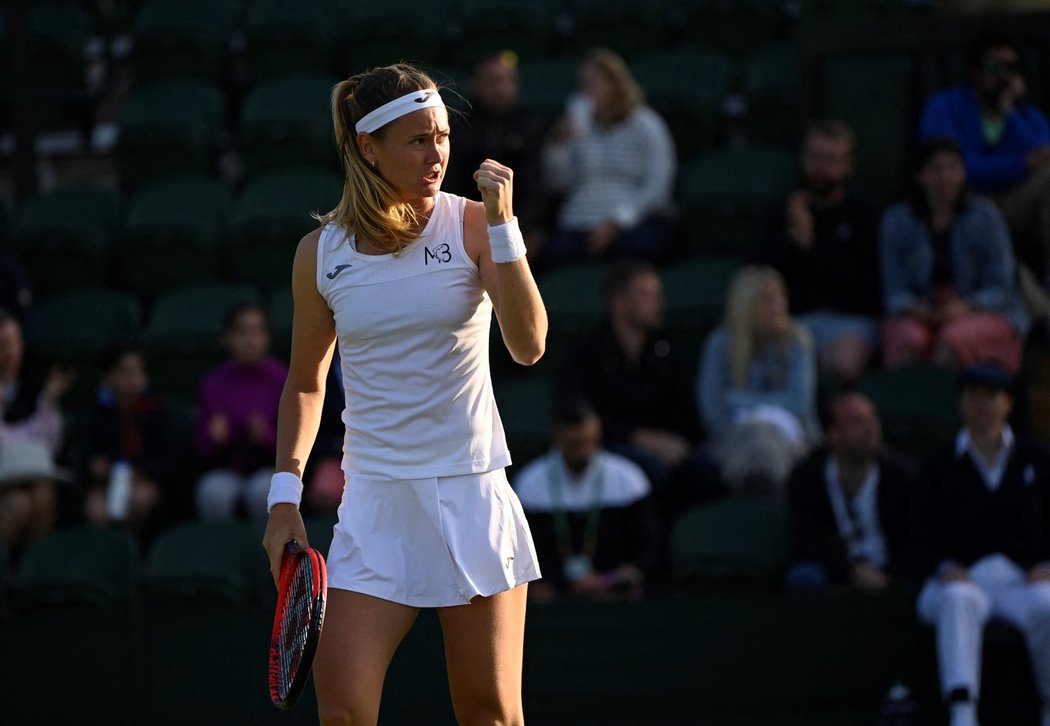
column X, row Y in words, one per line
column 367, row 146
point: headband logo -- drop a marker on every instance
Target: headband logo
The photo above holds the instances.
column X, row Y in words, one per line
column 425, row 97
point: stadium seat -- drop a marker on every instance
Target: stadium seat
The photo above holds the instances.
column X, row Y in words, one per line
column 525, row 406
column 378, row 34
column 65, row 237
column 286, row 122
column 875, row 94
column 173, row 233
column 283, row 37
column 184, row 38
column 319, row 530
column 530, row 30
column 735, row 27
column 695, row 295
column 282, row 309
column 272, row 214
column 59, row 34
column 80, row 565
column 168, row 127
column 916, row 403
column 772, row 85
column 688, row 99
column 723, row 195
column 74, row 630
column 206, row 560
column 78, row 325
column 628, row 27
column 736, row 542
column 183, row 334
column 573, row 297
column 546, row 84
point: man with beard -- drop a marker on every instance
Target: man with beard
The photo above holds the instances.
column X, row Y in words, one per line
column 849, row 504
column 823, row 239
column 589, row 510
column 1005, row 142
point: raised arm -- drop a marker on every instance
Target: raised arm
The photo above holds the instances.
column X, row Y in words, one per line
column 299, row 416
column 519, row 308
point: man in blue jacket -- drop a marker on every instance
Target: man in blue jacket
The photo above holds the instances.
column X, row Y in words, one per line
column 1005, row 141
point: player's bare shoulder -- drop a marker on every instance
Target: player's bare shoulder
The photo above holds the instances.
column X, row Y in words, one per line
column 475, row 229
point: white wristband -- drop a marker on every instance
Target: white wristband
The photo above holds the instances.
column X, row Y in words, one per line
column 285, row 488
column 506, row 241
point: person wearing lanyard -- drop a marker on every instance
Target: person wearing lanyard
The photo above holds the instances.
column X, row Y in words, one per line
column 589, row 511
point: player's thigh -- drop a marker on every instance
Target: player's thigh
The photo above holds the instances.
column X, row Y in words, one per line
column 484, row 644
column 358, row 640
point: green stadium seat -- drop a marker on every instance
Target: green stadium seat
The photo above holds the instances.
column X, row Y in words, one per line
column 65, row 237
column 183, row 335
column 287, row 122
column 530, row 30
column 173, row 233
column 772, row 85
column 167, row 127
column 546, row 83
column 283, row 37
column 71, row 646
column 282, row 310
column 735, row 27
column 526, row 406
column 875, row 94
column 628, row 27
column 206, row 560
column 378, row 34
column 272, row 214
column 573, row 297
column 735, row 542
column 90, row 566
column 57, row 82
column 695, row 294
column 184, row 38
column 917, row 405
column 78, row 325
column 319, row 530
column 723, row 194
column 689, row 99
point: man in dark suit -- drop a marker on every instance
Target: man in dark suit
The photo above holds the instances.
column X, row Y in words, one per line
column 849, row 504
column 983, row 536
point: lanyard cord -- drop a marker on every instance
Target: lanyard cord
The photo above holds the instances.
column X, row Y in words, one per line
column 561, row 517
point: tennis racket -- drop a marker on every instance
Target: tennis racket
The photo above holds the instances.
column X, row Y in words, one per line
column 297, row 623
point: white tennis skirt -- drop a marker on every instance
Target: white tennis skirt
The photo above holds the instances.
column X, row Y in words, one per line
column 431, row 542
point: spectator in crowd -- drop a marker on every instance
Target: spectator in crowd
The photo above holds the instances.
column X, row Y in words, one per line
column 237, row 420
column 29, row 399
column 640, row 385
column 849, row 504
column 757, row 385
column 1005, row 142
column 129, row 432
column 589, row 510
column 499, row 126
column 981, row 531
column 29, row 496
column 613, row 159
column 948, row 271
column 823, row 239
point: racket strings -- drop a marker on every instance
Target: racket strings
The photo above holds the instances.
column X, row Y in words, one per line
column 295, row 622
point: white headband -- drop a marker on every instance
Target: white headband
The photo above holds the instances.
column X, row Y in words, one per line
column 397, row 108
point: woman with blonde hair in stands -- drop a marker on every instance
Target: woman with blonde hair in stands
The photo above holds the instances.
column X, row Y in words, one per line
column 404, row 278
column 757, row 384
column 613, row 159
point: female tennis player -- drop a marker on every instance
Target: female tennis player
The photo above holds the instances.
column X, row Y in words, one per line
column 404, row 278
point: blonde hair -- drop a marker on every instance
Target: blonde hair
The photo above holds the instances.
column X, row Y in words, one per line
column 627, row 94
column 744, row 290
column 369, row 205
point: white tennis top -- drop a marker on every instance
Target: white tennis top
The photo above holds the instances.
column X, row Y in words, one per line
column 413, row 336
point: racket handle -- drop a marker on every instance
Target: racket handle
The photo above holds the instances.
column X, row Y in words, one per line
column 293, row 546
